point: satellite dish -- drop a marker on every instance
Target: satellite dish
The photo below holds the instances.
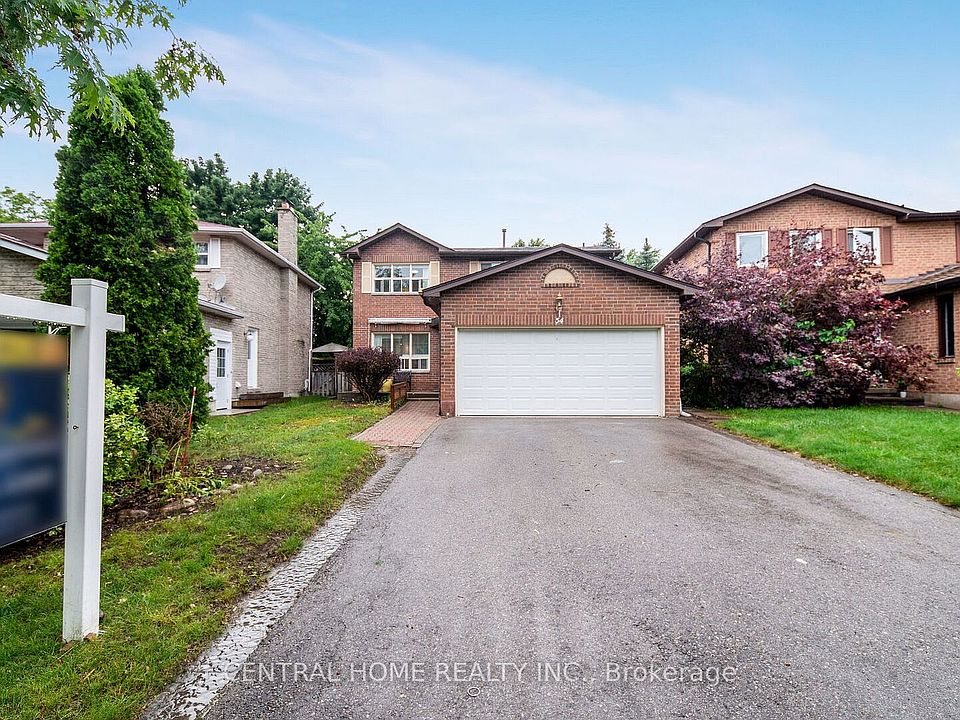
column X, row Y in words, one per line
column 219, row 282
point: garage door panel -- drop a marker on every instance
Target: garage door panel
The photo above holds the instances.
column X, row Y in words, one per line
column 567, row 371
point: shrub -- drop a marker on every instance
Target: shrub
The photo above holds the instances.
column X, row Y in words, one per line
column 166, row 427
column 124, row 436
column 368, row 369
column 813, row 330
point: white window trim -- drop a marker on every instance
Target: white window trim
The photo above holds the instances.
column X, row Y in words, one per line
column 764, row 249
column 425, row 280
column 410, row 356
column 796, row 232
column 877, row 260
column 213, row 254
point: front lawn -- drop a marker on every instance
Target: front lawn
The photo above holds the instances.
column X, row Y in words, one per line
column 913, row 449
column 169, row 585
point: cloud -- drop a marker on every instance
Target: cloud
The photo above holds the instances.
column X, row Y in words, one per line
column 459, row 148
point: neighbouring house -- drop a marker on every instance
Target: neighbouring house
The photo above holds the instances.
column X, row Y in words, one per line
column 520, row 331
column 255, row 301
column 917, row 252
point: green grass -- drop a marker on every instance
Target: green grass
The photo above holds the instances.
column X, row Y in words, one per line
column 913, row 449
column 167, row 586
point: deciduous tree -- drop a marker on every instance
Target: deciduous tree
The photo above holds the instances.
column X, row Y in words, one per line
column 79, row 32
column 813, row 329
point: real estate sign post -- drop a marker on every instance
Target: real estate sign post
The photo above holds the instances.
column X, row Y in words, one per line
column 89, row 323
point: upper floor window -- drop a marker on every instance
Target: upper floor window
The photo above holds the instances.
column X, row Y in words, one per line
column 946, row 339
column 208, row 253
column 801, row 240
column 406, row 278
column 864, row 239
column 751, row 248
column 486, row 264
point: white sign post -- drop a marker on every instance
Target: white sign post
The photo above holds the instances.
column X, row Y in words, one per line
column 89, row 323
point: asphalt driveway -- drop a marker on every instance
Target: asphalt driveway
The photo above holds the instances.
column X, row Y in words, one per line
column 516, row 568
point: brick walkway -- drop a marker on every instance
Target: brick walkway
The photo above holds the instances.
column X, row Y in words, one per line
column 407, row 427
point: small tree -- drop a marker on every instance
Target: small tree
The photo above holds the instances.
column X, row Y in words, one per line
column 608, row 239
column 368, row 369
column 122, row 215
column 645, row 259
column 812, row 330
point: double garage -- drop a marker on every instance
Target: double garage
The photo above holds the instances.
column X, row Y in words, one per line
column 551, row 371
column 561, row 332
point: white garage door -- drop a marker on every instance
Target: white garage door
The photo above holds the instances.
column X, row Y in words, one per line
column 572, row 371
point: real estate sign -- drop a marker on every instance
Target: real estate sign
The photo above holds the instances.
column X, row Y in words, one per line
column 33, row 382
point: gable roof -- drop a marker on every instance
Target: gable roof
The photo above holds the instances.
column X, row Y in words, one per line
column 431, row 295
column 942, row 278
column 478, row 253
column 208, row 228
column 901, row 212
column 354, row 250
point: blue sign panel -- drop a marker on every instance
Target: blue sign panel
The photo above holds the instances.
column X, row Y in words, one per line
column 33, row 396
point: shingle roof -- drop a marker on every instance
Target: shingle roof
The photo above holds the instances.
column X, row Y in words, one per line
column 943, row 277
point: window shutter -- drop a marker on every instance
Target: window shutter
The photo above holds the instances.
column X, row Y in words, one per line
column 886, row 245
column 475, row 264
column 366, row 277
column 214, row 250
column 841, row 240
column 826, row 238
column 434, row 272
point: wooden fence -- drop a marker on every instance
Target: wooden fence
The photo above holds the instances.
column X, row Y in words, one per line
column 325, row 381
column 399, row 389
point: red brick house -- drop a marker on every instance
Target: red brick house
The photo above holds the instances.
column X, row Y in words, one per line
column 917, row 252
column 520, row 331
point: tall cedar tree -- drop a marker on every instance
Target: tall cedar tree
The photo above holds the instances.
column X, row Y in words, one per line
column 122, row 214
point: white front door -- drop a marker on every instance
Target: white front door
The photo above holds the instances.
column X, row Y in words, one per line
column 221, row 370
column 559, row 371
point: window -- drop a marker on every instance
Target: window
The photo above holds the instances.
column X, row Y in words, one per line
column 208, row 253
column 253, row 357
column 400, row 278
column 805, row 240
column 751, row 248
column 413, row 349
column 221, row 362
column 486, row 264
column 864, row 239
column 945, row 330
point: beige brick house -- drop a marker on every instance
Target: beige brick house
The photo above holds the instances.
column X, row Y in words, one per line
column 520, row 331
column 255, row 301
column 917, row 252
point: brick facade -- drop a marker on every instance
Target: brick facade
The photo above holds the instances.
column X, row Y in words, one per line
column 603, row 297
column 919, row 327
column 917, row 246
column 271, row 299
column 17, row 275
column 401, row 247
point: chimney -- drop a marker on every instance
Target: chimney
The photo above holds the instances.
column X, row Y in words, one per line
column 504, row 231
column 287, row 231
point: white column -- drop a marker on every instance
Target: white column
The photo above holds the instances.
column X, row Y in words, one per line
column 84, row 481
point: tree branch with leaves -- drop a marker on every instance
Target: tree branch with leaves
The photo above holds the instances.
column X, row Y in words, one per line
column 78, row 31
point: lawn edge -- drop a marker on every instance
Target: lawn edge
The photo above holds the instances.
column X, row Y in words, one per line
column 715, row 426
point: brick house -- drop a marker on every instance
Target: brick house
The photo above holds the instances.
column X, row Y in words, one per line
column 520, row 331
column 255, row 301
column 917, row 252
